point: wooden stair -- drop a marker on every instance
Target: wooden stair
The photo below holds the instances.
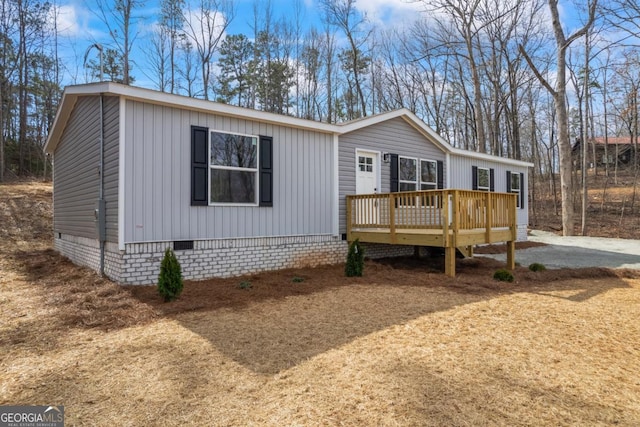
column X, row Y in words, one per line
column 466, row 251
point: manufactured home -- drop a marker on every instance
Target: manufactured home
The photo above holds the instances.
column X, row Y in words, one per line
column 235, row 191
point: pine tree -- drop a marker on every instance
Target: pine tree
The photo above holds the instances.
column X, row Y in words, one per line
column 170, row 279
column 355, row 260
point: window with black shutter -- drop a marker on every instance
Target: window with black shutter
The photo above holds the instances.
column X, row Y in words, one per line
column 228, row 168
column 482, row 179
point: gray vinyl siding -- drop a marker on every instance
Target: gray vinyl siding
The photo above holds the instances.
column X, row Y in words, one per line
column 111, row 156
column 393, row 136
column 75, row 172
column 158, row 179
column 461, row 177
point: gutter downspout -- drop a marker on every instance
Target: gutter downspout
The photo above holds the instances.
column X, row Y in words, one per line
column 101, row 202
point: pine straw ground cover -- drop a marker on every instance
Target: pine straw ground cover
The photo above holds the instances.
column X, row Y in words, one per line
column 404, row 345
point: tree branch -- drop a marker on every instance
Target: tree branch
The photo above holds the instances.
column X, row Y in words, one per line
column 582, row 31
column 537, row 73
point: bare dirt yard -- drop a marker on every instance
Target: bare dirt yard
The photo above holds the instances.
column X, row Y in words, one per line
column 404, row 345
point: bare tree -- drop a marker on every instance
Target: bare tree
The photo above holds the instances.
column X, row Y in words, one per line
column 344, row 15
column 172, row 21
column 159, row 57
column 118, row 17
column 559, row 96
column 205, row 27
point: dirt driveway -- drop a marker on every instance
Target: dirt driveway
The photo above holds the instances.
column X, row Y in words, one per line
column 578, row 251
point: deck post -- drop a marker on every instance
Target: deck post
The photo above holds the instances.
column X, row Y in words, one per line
column 511, row 244
column 450, row 261
column 455, row 213
column 488, row 213
column 392, row 217
column 511, row 255
column 444, row 214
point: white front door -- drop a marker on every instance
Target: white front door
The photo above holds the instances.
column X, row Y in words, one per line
column 366, row 172
column 367, row 210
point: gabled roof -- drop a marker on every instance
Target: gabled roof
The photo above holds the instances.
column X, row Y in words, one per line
column 407, row 116
column 427, row 132
column 72, row 93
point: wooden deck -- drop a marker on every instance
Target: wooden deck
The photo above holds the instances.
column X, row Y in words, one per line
column 442, row 218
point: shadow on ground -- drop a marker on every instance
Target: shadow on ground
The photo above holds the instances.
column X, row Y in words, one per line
column 269, row 335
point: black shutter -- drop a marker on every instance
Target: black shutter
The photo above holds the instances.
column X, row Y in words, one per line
column 266, row 171
column 508, row 181
column 492, row 186
column 522, row 188
column 395, row 177
column 474, row 177
column 199, row 166
column 440, row 170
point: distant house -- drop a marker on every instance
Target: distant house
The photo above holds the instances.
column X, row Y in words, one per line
column 234, row 190
column 606, row 151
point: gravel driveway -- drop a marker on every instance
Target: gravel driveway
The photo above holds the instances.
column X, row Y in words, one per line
column 578, row 251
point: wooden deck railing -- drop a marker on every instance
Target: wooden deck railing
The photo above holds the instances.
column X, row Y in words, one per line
column 448, row 210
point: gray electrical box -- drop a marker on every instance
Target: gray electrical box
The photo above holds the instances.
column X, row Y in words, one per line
column 101, row 219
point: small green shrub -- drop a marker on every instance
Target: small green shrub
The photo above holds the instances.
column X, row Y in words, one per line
column 170, row 278
column 245, row 285
column 297, row 279
column 355, row 260
column 536, row 266
column 503, row 275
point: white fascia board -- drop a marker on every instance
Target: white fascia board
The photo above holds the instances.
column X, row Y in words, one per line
column 490, row 158
column 59, row 123
column 407, row 116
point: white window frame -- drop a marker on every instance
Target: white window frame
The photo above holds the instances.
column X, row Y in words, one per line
column 516, row 191
column 255, row 170
column 401, row 181
column 482, row 188
column 434, row 183
column 365, row 164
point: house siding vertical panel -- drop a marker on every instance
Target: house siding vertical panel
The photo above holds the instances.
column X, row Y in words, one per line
column 393, row 136
column 157, row 158
column 111, row 164
column 76, row 177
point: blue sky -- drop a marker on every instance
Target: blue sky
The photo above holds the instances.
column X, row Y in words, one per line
column 80, row 27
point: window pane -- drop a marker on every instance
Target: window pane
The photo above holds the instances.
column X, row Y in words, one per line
column 230, row 186
column 427, row 186
column 515, row 182
column 233, row 150
column 483, row 178
column 407, row 169
column 405, row 186
column 428, row 171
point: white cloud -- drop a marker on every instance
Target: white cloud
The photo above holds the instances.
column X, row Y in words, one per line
column 391, row 12
column 68, row 22
column 202, row 26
